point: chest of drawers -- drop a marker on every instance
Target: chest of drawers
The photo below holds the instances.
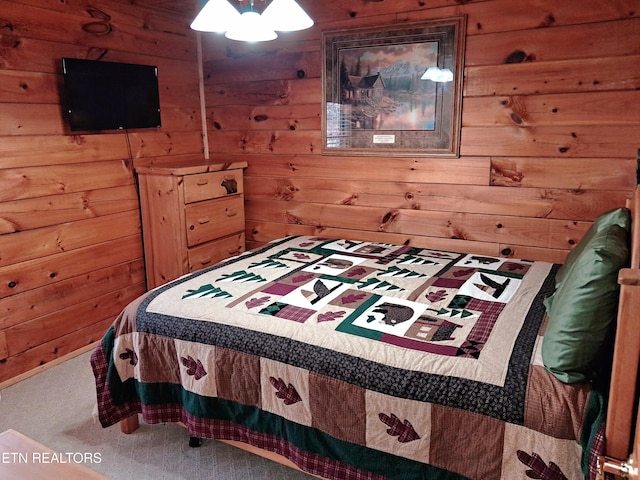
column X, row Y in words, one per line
column 192, row 217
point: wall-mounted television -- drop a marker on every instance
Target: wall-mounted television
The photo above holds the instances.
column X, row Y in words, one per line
column 109, row 95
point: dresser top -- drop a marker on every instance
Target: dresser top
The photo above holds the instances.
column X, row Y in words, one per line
column 189, row 167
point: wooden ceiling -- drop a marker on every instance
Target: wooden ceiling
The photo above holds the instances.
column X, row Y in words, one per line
column 190, row 8
column 183, row 8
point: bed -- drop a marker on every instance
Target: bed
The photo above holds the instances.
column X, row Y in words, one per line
column 363, row 360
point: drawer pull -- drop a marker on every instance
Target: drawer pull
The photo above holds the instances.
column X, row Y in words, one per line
column 234, row 251
column 203, row 220
column 231, row 212
column 205, row 261
column 202, row 181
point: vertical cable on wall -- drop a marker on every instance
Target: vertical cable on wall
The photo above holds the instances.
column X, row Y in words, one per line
column 203, row 109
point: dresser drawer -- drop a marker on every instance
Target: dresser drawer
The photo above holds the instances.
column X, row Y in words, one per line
column 205, row 186
column 213, row 219
column 209, row 253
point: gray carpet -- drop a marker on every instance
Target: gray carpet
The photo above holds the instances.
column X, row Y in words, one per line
column 55, row 408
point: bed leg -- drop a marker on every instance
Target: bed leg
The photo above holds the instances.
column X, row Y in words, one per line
column 129, row 425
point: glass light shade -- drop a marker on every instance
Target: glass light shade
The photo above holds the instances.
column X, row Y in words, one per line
column 286, row 16
column 216, row 16
column 251, row 27
column 436, row 74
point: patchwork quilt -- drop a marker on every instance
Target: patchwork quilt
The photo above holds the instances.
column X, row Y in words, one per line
column 357, row 360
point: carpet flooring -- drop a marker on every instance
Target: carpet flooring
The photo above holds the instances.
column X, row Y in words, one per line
column 55, row 408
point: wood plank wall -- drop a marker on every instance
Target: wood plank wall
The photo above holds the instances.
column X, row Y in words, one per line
column 550, row 129
column 70, row 238
column 547, row 144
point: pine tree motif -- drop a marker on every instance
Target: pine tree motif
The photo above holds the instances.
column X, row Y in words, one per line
column 455, row 312
column 375, row 284
column 401, row 272
column 268, row 263
column 207, row 291
column 241, row 276
column 414, row 260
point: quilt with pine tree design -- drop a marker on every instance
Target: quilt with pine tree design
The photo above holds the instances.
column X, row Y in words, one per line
column 356, row 360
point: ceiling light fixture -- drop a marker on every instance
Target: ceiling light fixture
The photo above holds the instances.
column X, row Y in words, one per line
column 215, row 16
column 287, row 16
column 251, row 26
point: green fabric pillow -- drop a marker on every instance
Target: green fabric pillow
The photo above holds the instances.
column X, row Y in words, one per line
column 618, row 216
column 584, row 307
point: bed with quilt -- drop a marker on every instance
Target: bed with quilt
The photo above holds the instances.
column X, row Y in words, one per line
column 363, row 360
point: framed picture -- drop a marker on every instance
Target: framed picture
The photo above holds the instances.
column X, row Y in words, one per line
column 394, row 90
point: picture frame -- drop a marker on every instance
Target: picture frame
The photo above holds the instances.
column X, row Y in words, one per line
column 394, row 90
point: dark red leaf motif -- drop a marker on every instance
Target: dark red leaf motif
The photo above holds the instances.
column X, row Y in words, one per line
column 512, row 266
column 352, row 298
column 288, row 393
column 301, row 256
column 356, row 272
column 305, row 244
column 194, row 368
column 330, row 316
column 538, row 468
column 129, row 355
column 256, row 302
column 464, row 272
column 397, row 428
column 437, row 296
column 302, row 278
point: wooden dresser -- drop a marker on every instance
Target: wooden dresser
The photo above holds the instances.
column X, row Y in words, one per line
column 192, row 217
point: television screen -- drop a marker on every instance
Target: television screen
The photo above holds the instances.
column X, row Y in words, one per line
column 107, row 95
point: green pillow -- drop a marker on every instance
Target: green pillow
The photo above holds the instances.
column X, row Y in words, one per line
column 585, row 305
column 618, row 216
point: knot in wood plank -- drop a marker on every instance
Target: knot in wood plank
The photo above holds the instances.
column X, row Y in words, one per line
column 6, row 25
column 505, row 176
column 388, row 219
column 97, row 28
column 99, row 14
column 352, row 200
column 293, row 219
column 285, row 190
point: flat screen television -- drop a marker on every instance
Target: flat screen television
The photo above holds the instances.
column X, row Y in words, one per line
column 108, row 95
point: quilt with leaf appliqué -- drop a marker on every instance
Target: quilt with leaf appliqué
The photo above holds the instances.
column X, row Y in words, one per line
column 356, row 360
